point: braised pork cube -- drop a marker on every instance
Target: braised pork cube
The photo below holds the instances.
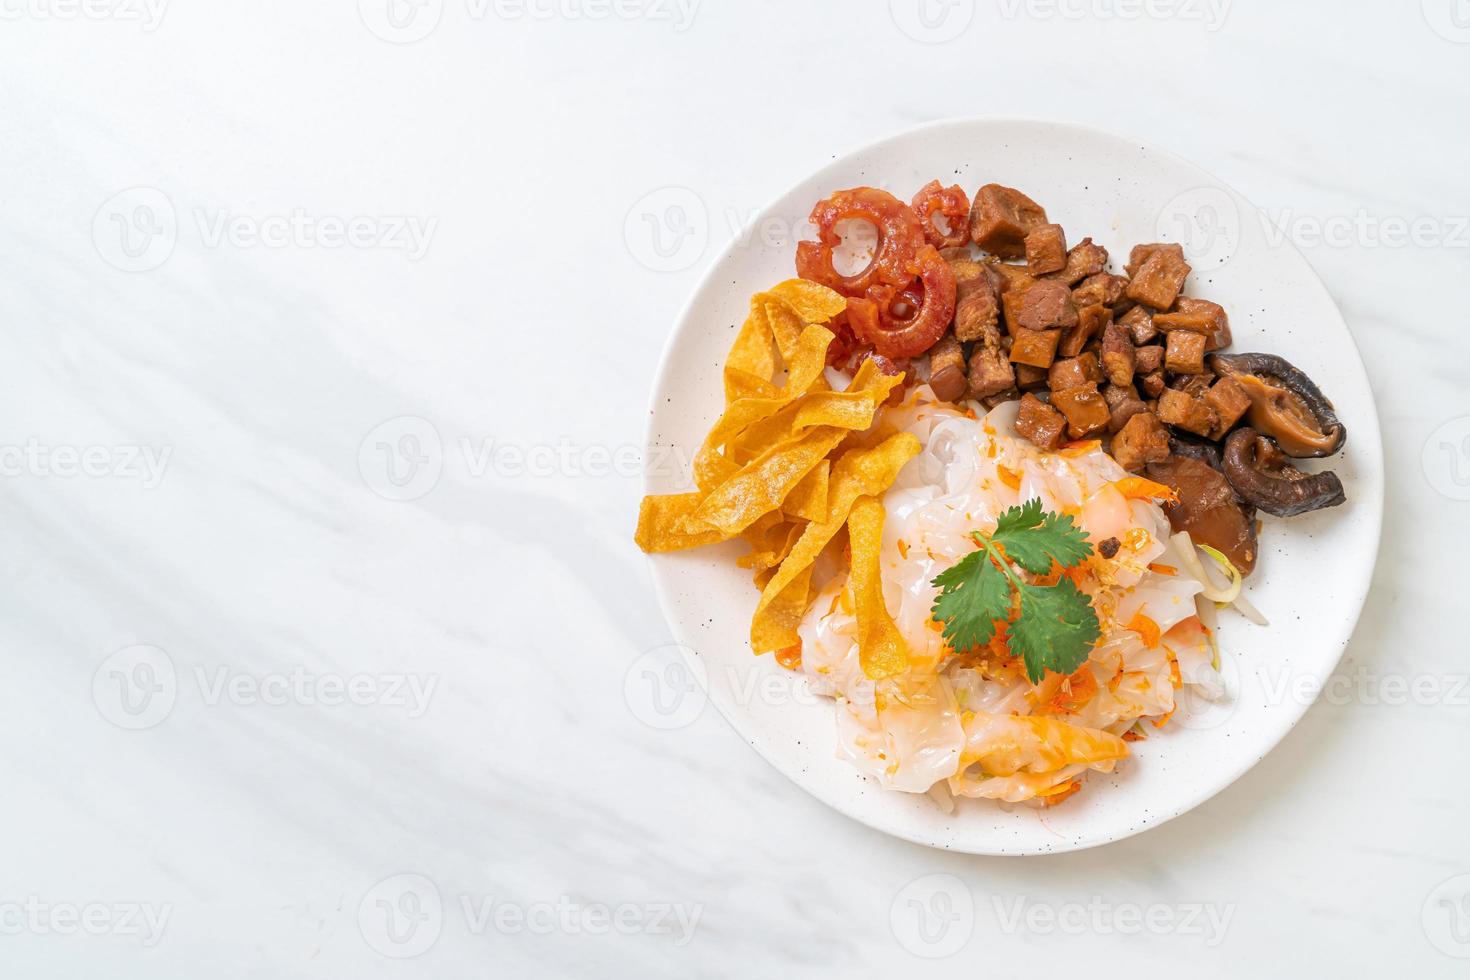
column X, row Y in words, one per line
column 1185, row 353
column 1104, row 288
column 977, row 303
column 1074, row 372
column 1187, row 412
column 947, row 375
column 1140, row 324
column 1123, row 404
column 1158, row 281
column 1046, row 250
column 990, row 372
column 1152, row 384
column 1091, row 321
column 1148, row 359
column 1142, row 253
column 1047, row 306
column 1037, row 348
column 1142, row 440
column 1085, row 409
column 1230, row 401
column 1118, row 358
column 1001, row 218
column 1084, row 259
column 1041, row 423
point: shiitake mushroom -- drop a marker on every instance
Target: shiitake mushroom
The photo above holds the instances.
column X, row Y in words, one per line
column 1285, row 404
column 1260, row 472
column 1209, row 509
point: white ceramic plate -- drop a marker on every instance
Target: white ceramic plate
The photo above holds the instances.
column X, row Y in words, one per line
column 1314, row 570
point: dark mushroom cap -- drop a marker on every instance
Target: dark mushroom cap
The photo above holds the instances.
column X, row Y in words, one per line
column 1194, row 447
column 1285, row 404
column 1263, row 477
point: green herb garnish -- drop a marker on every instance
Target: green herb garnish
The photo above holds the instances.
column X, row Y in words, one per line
column 1055, row 626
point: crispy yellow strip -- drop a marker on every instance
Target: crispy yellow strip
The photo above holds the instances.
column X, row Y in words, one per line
column 881, row 648
column 812, row 302
column 771, row 540
column 857, row 473
column 743, row 412
column 808, row 500
column 1036, row 744
column 658, row 518
column 851, row 409
column 752, row 361
column 762, row 485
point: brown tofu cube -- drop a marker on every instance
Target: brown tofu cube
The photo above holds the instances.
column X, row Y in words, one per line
column 1187, row 412
column 1104, row 288
column 1117, row 355
column 1046, row 250
column 1085, row 408
column 1142, row 440
column 1123, row 404
column 1010, row 276
column 1037, row 348
column 1084, row 259
column 1091, row 321
column 1074, row 372
column 1185, row 353
column 1194, row 385
column 1140, row 324
column 1200, row 323
column 1029, row 378
column 1158, row 281
column 1142, row 253
column 1046, row 306
column 1230, row 402
column 1040, row 423
column 990, row 372
column 1001, row 218
column 1147, row 360
column 1218, row 331
column 1152, row 384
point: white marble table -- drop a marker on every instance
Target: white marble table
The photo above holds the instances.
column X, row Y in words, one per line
column 329, row 334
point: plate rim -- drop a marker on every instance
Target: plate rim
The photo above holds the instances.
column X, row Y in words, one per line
column 1376, row 484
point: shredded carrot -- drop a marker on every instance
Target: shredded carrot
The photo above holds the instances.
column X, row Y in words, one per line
column 903, row 547
column 1009, row 476
column 1175, row 677
column 1146, row 628
column 1154, row 566
column 1163, row 721
column 1137, row 488
column 1131, row 736
column 1054, row 796
column 1075, row 449
column 790, row 657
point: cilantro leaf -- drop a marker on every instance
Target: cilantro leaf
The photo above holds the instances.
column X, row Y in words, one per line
column 1033, row 545
column 1054, row 626
column 974, row 594
column 1056, row 629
